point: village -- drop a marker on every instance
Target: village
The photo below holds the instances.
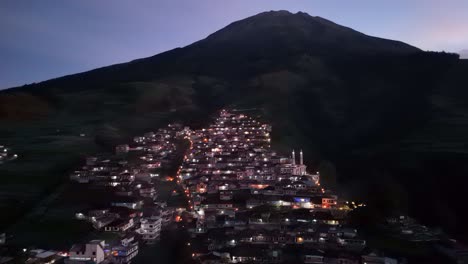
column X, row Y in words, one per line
column 253, row 205
column 238, row 200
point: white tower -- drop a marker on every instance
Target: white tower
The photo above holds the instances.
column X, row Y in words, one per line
column 293, row 158
column 301, row 158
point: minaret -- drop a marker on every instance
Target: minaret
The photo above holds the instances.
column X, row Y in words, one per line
column 301, row 158
column 293, row 158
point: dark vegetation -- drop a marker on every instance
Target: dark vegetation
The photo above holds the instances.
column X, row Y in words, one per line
column 383, row 121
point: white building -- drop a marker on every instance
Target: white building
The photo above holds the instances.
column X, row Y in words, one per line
column 150, row 228
column 92, row 252
column 298, row 169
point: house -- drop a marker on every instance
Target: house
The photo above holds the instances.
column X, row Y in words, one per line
column 328, row 202
column 249, row 254
column 119, row 225
column 150, row 228
column 139, row 139
column 82, row 176
column 300, row 185
column 99, row 218
column 41, row 256
column 98, row 213
column 167, row 215
column 216, row 203
column 143, row 176
column 128, row 202
column 375, row 259
column 125, row 252
column 148, row 192
column 101, row 222
column 313, row 258
column 124, row 212
column 92, row 252
column 348, row 232
column 351, row 242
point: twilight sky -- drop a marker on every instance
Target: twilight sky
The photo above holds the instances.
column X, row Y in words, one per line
column 44, row 39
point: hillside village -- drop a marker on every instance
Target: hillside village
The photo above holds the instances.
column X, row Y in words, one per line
column 239, row 200
column 254, row 205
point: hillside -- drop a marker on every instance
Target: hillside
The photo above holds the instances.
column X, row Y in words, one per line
column 387, row 117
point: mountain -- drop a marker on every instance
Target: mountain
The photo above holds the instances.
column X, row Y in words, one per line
column 463, row 54
column 381, row 119
column 300, row 32
column 276, row 33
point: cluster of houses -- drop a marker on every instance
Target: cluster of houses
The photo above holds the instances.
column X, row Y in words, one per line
column 253, row 205
column 133, row 163
column 6, row 155
column 95, row 251
column 246, row 202
column 128, row 207
column 130, row 178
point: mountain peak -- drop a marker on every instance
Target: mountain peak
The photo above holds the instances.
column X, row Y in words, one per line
column 275, row 13
column 302, row 33
column 282, row 13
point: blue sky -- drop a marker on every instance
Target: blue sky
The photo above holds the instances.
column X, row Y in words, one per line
column 44, row 39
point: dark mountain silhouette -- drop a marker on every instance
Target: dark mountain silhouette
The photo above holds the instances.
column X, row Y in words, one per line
column 388, row 118
column 266, row 36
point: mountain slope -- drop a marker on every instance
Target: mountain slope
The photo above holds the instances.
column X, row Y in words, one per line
column 301, row 32
column 373, row 107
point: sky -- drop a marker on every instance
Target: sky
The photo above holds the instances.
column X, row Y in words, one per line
column 45, row 39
